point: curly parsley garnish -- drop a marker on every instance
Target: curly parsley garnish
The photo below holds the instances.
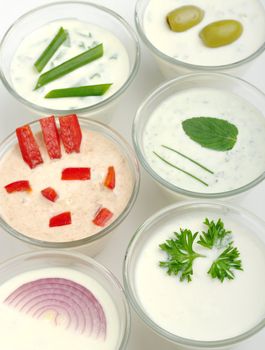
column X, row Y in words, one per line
column 226, row 262
column 181, row 253
column 215, row 235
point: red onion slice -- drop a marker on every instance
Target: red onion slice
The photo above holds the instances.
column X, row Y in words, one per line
column 70, row 305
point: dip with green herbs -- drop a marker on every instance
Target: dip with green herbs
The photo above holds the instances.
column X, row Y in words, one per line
column 206, row 140
column 64, row 40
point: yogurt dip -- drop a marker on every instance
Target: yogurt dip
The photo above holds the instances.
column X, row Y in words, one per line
column 82, row 198
column 113, row 67
column 57, row 308
column 189, row 48
column 231, row 169
column 204, row 309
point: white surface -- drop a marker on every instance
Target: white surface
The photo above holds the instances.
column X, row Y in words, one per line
column 150, row 198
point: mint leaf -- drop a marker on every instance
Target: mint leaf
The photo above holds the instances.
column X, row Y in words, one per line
column 213, row 133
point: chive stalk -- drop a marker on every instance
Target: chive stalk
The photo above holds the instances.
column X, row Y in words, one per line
column 79, row 91
column 190, row 159
column 70, row 65
column 182, row 170
column 50, row 50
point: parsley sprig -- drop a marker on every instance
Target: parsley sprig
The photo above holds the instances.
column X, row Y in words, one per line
column 227, row 261
column 181, row 254
column 215, row 235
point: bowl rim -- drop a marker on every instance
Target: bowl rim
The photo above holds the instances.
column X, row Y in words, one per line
column 100, row 268
column 131, row 295
column 140, row 154
column 187, row 65
column 131, row 158
column 83, row 110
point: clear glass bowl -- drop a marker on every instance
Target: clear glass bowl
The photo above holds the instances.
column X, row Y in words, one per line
column 83, row 11
column 220, row 81
column 171, row 67
column 91, row 244
column 80, row 263
column 161, row 218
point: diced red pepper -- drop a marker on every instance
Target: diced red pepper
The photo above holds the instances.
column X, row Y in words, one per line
column 61, row 219
column 70, row 133
column 50, row 194
column 51, row 137
column 28, row 146
column 102, row 217
column 18, row 186
column 76, row 174
column 110, row 178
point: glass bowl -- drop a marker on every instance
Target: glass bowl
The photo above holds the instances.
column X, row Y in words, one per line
column 82, row 264
column 171, row 67
column 166, row 217
column 219, row 81
column 91, row 244
column 84, row 11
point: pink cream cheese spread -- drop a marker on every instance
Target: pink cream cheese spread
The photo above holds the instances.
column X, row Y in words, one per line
column 29, row 212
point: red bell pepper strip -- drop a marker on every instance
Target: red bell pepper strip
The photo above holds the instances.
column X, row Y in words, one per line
column 18, row 186
column 51, row 137
column 110, row 178
column 61, row 219
column 76, row 174
column 102, row 217
column 70, row 133
column 28, row 146
column 50, row 194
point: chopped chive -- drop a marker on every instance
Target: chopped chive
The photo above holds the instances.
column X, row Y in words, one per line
column 50, row 50
column 190, row 159
column 182, row 170
column 70, row 65
column 79, row 91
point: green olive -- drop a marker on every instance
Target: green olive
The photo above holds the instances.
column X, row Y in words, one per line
column 184, row 18
column 221, row 33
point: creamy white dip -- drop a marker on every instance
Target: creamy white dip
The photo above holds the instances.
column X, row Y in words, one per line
column 113, row 67
column 29, row 212
column 232, row 169
column 204, row 309
column 21, row 331
column 188, row 47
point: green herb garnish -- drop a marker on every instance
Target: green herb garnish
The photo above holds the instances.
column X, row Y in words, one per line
column 50, row 50
column 213, row 133
column 215, row 235
column 180, row 169
column 180, row 254
column 79, row 91
column 226, row 262
column 70, row 65
column 190, row 159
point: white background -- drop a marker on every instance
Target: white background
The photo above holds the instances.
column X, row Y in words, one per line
column 150, row 198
